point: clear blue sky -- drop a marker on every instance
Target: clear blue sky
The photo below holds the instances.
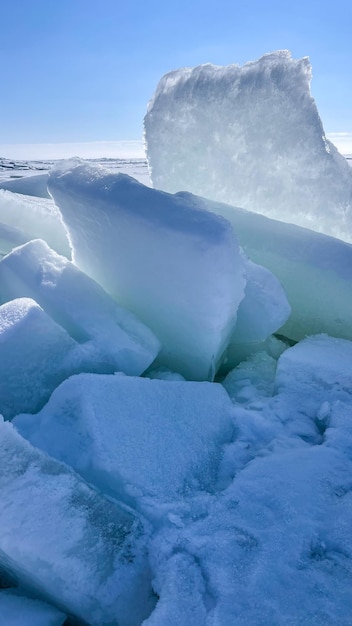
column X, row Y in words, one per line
column 82, row 70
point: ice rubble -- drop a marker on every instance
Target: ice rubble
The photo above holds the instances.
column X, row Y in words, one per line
column 107, row 337
column 179, row 269
column 273, row 546
column 250, row 136
column 314, row 269
column 143, row 441
column 61, row 538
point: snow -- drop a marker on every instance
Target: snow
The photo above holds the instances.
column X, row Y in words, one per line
column 110, row 338
column 82, row 552
column 142, row 441
column 18, row 610
column 314, row 269
column 178, row 268
column 250, row 136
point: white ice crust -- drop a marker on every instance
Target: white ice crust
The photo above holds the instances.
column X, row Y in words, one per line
column 178, row 268
column 107, row 337
column 58, row 536
column 250, row 136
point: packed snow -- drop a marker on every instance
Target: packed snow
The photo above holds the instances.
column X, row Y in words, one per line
column 250, row 136
column 135, row 491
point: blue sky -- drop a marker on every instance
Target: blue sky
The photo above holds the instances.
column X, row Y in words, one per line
column 78, row 70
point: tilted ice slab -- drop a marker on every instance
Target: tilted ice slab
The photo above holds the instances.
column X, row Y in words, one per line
column 137, row 439
column 111, row 338
column 83, row 553
column 250, row 136
column 314, row 269
column 36, row 217
column 178, row 268
column 29, row 185
column 36, row 355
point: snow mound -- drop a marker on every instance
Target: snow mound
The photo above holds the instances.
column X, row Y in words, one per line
column 136, row 439
column 35, row 218
column 250, row 136
column 35, row 356
column 314, row 269
column 178, row 268
column 110, row 338
column 59, row 537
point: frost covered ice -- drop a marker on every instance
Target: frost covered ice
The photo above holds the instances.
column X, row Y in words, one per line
column 67, row 543
column 250, row 136
column 107, row 337
column 143, row 441
column 178, row 268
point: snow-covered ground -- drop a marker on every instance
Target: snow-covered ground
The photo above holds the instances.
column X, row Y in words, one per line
column 176, row 387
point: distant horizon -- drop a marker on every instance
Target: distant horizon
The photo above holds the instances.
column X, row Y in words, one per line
column 119, row 149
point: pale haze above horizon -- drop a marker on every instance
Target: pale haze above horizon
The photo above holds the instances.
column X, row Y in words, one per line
column 77, row 76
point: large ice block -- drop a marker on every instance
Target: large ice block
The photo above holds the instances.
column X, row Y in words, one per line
column 178, row 268
column 250, row 136
column 18, row 610
column 135, row 438
column 85, row 554
column 36, row 355
column 111, row 338
column 314, row 269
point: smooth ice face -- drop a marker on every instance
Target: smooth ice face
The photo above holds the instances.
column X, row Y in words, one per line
column 35, row 356
column 34, row 217
column 29, row 185
column 178, row 268
column 110, row 338
column 17, row 610
column 250, row 136
column 315, row 270
column 63, row 540
column 140, row 440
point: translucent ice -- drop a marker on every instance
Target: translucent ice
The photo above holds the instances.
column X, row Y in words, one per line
column 29, row 185
column 178, row 268
column 17, row 610
column 250, row 136
column 135, row 438
column 111, row 338
column 35, row 356
column 60, row 538
column 315, row 270
column 36, row 217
